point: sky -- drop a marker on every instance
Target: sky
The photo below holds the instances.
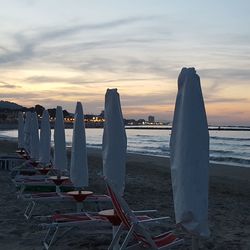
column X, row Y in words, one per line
column 57, row 52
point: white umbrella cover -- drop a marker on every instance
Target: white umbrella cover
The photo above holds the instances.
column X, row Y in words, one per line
column 60, row 154
column 114, row 143
column 34, row 137
column 27, row 131
column 189, row 155
column 79, row 165
column 45, row 139
column 20, row 130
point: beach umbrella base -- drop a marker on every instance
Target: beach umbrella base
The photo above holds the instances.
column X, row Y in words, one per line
column 111, row 216
column 43, row 171
column 80, row 195
column 58, row 180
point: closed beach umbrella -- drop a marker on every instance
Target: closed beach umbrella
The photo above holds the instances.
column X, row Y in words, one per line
column 34, row 137
column 79, row 165
column 60, row 155
column 20, row 130
column 114, row 144
column 189, row 155
column 45, row 139
column 27, row 131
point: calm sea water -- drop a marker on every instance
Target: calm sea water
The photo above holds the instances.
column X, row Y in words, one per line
column 230, row 147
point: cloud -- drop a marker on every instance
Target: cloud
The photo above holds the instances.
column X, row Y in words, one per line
column 230, row 39
column 8, row 85
column 55, row 47
column 226, row 100
column 116, row 53
column 154, row 99
column 56, row 33
column 60, row 94
column 4, row 49
column 47, row 79
column 226, row 74
column 28, row 42
column 213, row 93
column 21, row 54
column 152, row 67
column 78, row 80
column 94, row 100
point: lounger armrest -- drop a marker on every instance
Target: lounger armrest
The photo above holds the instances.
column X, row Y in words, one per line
column 144, row 211
column 155, row 219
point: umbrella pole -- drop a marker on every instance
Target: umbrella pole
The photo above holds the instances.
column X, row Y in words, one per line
column 79, row 207
column 58, row 191
column 195, row 243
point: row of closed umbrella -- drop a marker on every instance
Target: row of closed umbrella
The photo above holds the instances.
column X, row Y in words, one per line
column 114, row 142
column 189, row 147
column 28, row 136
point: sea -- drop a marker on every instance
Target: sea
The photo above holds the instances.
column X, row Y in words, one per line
column 226, row 146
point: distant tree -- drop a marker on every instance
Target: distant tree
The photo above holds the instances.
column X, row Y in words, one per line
column 52, row 113
column 66, row 114
column 32, row 109
column 102, row 114
column 39, row 109
column 88, row 117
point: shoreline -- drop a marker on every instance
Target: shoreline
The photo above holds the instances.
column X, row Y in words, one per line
column 216, row 169
column 230, row 169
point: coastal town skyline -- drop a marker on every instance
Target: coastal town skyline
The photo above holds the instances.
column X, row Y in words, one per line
column 57, row 53
column 9, row 113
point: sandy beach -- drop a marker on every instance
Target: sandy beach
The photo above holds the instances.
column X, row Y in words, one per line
column 148, row 186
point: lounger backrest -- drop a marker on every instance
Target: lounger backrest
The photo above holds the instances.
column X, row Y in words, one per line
column 126, row 215
column 118, row 208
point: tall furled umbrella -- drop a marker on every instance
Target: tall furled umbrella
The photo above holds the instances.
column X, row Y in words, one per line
column 189, row 155
column 34, row 137
column 45, row 139
column 27, row 130
column 114, row 143
column 60, row 154
column 20, row 130
column 79, row 165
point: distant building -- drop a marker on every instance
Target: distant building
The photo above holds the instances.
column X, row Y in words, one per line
column 151, row 119
column 130, row 122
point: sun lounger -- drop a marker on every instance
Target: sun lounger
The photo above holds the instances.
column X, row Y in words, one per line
column 136, row 229
column 35, row 198
column 39, row 182
column 9, row 161
column 29, row 167
column 92, row 222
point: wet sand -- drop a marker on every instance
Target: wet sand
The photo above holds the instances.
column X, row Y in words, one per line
column 148, row 186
